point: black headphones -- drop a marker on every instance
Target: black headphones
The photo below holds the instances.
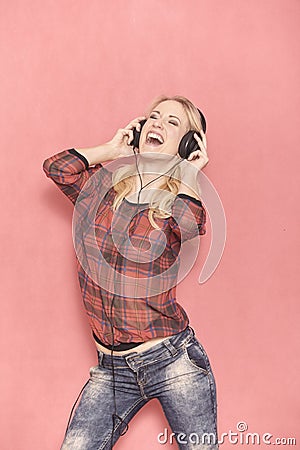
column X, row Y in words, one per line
column 188, row 143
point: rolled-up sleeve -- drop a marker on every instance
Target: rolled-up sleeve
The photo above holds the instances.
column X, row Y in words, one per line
column 70, row 170
column 188, row 217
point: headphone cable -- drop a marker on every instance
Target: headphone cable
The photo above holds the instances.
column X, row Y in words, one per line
column 115, row 415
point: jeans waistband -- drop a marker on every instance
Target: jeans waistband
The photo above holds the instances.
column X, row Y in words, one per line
column 166, row 348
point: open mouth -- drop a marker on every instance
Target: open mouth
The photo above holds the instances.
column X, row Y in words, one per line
column 154, row 139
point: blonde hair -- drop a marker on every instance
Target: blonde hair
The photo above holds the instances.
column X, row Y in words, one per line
column 190, row 110
column 162, row 200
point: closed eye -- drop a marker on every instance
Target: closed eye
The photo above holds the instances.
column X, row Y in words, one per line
column 172, row 122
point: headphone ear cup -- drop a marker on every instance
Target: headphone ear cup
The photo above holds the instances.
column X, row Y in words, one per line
column 188, row 144
column 137, row 134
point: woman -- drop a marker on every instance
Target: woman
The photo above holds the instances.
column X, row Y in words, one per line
column 144, row 212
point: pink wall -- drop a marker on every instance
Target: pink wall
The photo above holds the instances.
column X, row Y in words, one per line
column 71, row 74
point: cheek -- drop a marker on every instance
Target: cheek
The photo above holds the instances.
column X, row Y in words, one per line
column 174, row 140
column 175, row 135
column 177, row 139
column 143, row 134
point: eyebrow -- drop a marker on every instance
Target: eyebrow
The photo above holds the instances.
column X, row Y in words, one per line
column 170, row 115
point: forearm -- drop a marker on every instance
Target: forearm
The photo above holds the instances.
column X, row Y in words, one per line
column 99, row 154
column 185, row 190
column 189, row 184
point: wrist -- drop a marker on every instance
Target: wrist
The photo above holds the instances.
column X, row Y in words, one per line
column 111, row 150
column 95, row 155
column 189, row 183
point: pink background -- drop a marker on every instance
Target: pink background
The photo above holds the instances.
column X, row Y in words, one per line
column 72, row 72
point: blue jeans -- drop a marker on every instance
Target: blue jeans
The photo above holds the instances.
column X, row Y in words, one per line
column 176, row 371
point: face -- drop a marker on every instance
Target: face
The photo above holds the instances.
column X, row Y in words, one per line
column 165, row 127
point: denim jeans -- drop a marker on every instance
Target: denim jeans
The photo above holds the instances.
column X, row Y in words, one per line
column 175, row 371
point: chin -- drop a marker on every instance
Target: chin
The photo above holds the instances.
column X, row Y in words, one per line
column 150, row 149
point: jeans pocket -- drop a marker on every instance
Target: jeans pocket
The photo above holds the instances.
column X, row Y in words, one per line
column 98, row 373
column 196, row 356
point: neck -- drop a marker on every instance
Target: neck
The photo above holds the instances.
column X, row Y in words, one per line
column 153, row 166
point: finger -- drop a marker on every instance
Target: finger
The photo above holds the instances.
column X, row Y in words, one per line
column 194, row 155
column 130, row 137
column 125, row 132
column 200, row 142
column 135, row 123
column 201, row 139
column 204, row 138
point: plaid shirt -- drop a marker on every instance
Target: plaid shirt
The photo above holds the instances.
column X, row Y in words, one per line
column 128, row 283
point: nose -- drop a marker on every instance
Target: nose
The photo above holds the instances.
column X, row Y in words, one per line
column 157, row 122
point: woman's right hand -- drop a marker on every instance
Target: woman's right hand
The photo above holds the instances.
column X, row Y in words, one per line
column 120, row 143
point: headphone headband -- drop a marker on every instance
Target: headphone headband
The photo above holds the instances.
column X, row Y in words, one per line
column 203, row 121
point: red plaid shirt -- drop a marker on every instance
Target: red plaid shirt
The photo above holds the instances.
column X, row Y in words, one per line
column 143, row 306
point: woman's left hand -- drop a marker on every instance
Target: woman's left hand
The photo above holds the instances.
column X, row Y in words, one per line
column 199, row 158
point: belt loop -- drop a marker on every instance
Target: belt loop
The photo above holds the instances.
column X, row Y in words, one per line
column 191, row 335
column 100, row 357
column 170, row 347
column 192, row 330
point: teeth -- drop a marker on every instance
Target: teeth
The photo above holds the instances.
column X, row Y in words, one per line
column 155, row 136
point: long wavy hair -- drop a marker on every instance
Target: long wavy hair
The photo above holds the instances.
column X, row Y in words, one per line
column 162, row 199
